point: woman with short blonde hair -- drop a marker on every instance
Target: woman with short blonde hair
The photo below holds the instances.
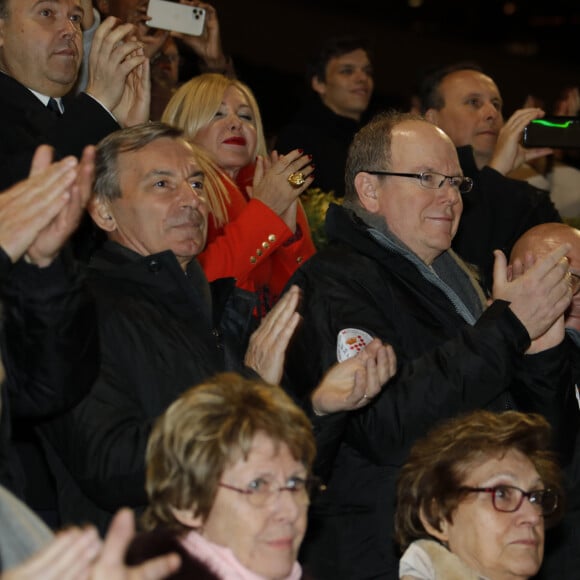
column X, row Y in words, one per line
column 265, row 235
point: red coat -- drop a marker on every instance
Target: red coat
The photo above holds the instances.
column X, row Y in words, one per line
column 255, row 246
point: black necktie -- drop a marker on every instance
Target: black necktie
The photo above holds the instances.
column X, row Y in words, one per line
column 53, row 106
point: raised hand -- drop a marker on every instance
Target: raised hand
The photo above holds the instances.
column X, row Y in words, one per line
column 267, row 348
column 540, row 295
column 115, row 52
column 509, row 152
column 271, row 185
column 353, row 383
column 207, row 46
column 134, row 105
column 38, row 214
column 52, row 237
column 79, row 554
column 555, row 333
column 68, row 557
column 110, row 564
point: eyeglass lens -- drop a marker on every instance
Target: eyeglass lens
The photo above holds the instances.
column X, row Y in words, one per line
column 260, row 491
column 509, row 499
column 434, row 180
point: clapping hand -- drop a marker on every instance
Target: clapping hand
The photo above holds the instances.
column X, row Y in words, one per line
column 353, row 383
column 115, row 54
column 539, row 291
column 267, row 348
column 39, row 214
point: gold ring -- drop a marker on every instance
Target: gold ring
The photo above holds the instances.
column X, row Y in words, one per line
column 296, row 179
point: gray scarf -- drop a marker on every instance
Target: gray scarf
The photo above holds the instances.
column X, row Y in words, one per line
column 448, row 271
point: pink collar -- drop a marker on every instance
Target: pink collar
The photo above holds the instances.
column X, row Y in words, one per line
column 221, row 560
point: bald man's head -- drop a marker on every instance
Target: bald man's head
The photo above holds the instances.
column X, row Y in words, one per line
column 541, row 240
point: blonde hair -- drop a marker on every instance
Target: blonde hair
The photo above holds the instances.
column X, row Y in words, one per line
column 193, row 107
column 216, row 194
column 196, row 102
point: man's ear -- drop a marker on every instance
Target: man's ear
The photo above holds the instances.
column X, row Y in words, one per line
column 318, row 86
column 101, row 212
column 366, row 188
column 187, row 518
column 440, row 534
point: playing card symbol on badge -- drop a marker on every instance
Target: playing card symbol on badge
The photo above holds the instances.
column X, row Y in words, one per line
column 350, row 341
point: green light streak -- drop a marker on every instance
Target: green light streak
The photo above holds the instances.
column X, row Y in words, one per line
column 563, row 125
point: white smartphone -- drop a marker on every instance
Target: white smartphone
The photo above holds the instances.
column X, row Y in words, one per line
column 176, row 17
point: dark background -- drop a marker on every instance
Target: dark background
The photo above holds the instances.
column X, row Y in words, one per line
column 527, row 46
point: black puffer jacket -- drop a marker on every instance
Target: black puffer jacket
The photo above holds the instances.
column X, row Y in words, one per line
column 161, row 331
column 445, row 367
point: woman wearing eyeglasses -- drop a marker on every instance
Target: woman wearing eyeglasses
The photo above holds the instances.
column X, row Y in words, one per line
column 474, row 498
column 228, row 480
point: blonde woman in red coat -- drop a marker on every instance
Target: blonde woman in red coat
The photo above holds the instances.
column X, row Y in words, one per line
column 258, row 232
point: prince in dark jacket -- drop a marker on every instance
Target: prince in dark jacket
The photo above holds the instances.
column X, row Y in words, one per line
column 388, row 273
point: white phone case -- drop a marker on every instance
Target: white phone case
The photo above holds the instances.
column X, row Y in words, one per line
column 176, row 17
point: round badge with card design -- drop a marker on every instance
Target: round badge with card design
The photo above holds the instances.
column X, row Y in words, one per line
column 351, row 341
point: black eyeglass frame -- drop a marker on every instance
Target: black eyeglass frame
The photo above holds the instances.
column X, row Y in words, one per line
column 465, row 186
column 535, row 497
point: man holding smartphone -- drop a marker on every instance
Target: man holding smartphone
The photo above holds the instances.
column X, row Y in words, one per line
column 205, row 48
column 467, row 105
column 40, row 54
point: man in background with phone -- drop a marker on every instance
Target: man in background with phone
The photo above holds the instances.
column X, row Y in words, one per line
column 40, row 54
column 467, row 105
column 162, row 47
column 559, row 172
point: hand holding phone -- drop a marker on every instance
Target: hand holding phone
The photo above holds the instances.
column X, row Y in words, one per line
column 552, row 131
column 176, row 17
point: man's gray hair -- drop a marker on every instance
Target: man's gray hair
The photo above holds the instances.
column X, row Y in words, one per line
column 107, row 184
column 371, row 149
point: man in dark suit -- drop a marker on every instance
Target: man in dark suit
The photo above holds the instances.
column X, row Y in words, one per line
column 40, row 55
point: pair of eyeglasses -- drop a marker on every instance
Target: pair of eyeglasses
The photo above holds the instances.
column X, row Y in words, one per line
column 432, row 179
column 261, row 491
column 508, row 498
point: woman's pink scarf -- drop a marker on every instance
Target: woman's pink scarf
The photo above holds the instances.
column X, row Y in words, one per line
column 221, row 560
